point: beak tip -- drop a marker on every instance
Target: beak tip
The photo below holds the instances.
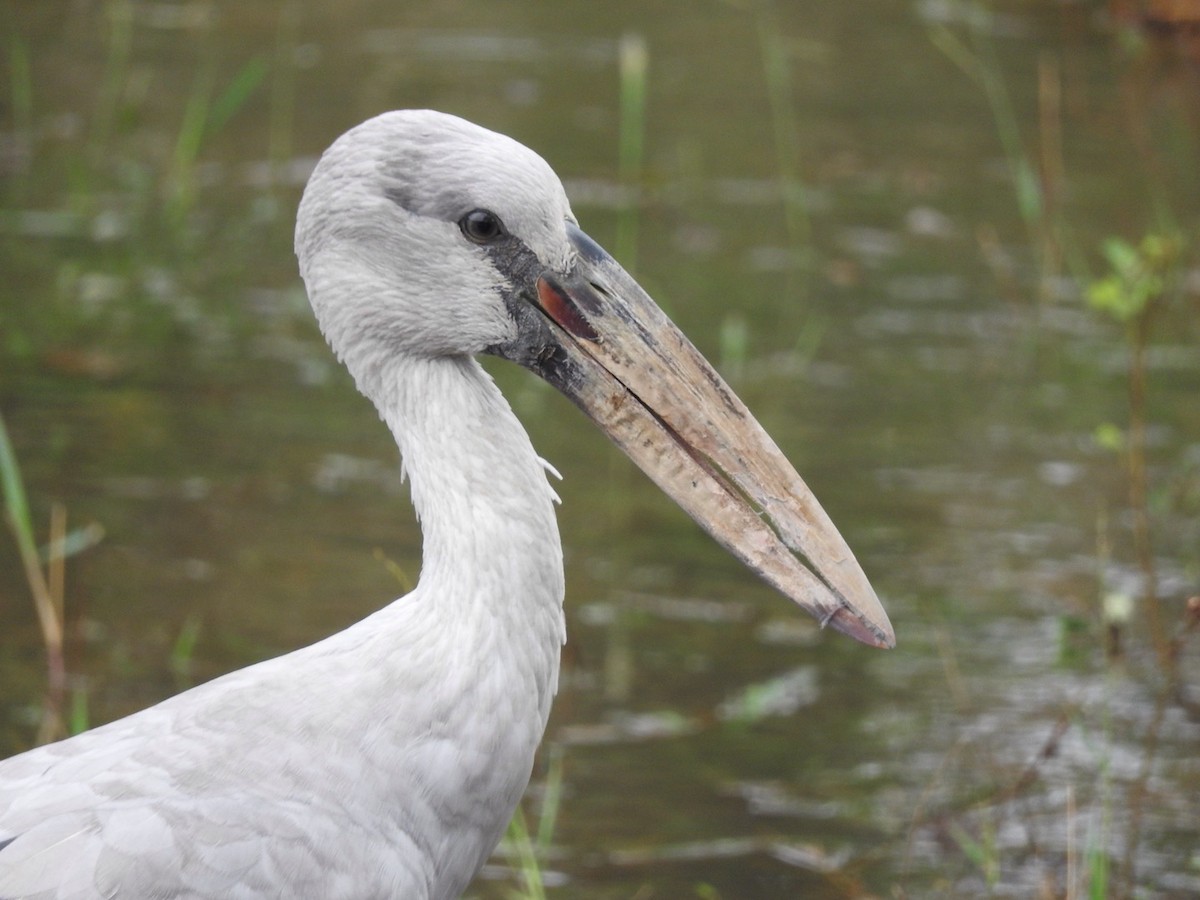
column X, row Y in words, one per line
column 855, row 625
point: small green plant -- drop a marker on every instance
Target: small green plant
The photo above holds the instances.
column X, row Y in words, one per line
column 1140, row 280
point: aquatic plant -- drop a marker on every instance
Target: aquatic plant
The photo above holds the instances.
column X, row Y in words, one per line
column 1140, row 281
column 44, row 572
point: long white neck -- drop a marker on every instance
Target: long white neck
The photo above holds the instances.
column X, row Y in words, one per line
column 454, row 680
column 492, row 561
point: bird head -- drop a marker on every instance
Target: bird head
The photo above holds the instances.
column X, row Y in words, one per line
column 416, row 225
column 422, row 234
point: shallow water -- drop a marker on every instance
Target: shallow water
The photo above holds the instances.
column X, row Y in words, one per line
column 920, row 350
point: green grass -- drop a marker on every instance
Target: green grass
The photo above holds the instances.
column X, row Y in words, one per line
column 47, row 605
column 107, row 109
column 633, row 60
column 44, row 571
column 777, row 72
column 204, row 116
column 531, row 846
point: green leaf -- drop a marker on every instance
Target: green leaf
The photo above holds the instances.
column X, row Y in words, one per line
column 1111, row 295
column 15, row 503
column 1121, row 256
column 1110, row 437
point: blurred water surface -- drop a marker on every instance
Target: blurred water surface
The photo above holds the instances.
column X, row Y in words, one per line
column 878, row 218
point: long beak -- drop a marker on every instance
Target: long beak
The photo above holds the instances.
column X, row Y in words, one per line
column 626, row 365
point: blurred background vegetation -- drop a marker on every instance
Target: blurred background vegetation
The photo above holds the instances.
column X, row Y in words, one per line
column 946, row 250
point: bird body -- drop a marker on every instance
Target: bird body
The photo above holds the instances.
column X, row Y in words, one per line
column 386, row 760
column 421, row 720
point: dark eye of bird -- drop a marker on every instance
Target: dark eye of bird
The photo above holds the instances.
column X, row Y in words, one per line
column 481, row 226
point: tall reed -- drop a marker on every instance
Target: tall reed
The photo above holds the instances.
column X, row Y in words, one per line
column 633, row 59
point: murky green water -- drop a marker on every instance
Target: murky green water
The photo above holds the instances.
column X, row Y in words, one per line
column 920, row 349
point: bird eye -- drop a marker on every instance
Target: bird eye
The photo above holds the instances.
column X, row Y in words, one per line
column 481, row 226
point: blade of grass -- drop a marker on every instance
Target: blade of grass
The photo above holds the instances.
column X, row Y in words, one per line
column 184, row 650
column 72, row 542
column 22, row 86
column 203, row 117
column 116, row 67
column 16, row 505
column 188, row 141
column 56, row 569
column 16, row 513
column 283, row 88
column 980, row 66
column 236, row 95
column 531, row 850
column 79, row 718
column 632, row 61
column 551, row 799
column 778, row 75
column 529, row 867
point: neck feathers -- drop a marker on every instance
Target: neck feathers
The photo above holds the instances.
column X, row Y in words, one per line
column 492, row 560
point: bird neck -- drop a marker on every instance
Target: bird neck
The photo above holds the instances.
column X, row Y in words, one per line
column 492, row 568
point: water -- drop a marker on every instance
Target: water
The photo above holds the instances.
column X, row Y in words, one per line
column 921, row 351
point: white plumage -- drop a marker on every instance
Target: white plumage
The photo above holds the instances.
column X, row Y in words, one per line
column 385, row 761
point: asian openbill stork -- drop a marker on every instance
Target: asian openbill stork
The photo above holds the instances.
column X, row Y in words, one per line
column 385, row 761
